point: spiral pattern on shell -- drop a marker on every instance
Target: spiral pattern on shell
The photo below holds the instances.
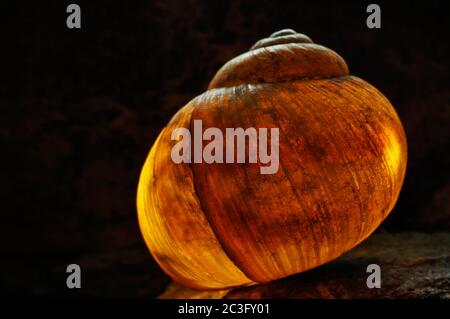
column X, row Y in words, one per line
column 284, row 56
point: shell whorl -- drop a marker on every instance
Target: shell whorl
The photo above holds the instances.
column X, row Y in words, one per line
column 282, row 57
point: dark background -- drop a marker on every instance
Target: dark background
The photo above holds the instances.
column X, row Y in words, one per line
column 80, row 110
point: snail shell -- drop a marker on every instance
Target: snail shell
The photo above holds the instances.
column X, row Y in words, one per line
column 342, row 160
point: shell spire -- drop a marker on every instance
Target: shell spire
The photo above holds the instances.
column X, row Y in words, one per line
column 284, row 56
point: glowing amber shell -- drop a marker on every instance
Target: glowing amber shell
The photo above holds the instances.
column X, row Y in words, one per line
column 342, row 164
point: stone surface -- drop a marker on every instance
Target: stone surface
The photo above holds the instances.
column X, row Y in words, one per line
column 413, row 265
